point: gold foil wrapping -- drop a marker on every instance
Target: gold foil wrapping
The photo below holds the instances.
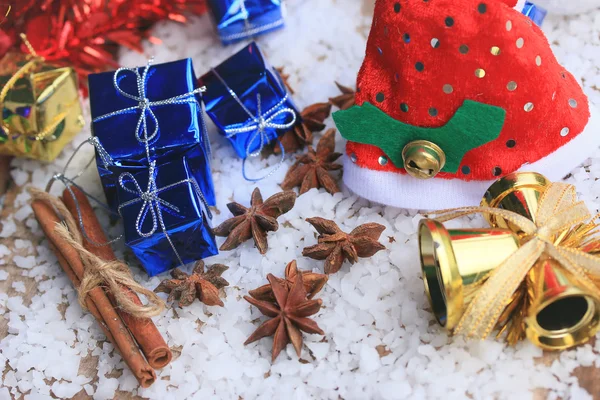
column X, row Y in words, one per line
column 41, row 108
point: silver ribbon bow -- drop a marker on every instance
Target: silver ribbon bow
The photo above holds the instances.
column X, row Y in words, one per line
column 260, row 122
column 145, row 105
column 153, row 204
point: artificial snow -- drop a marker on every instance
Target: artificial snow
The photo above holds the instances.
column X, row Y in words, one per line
column 381, row 339
column 24, row 262
column 19, row 286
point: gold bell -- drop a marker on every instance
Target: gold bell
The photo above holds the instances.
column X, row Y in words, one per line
column 563, row 314
column 455, row 262
column 518, row 192
column 423, row 159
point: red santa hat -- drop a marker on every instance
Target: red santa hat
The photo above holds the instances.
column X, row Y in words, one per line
column 454, row 94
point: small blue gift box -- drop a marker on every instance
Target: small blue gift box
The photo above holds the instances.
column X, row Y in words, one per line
column 237, row 20
column 163, row 121
column 166, row 221
column 195, row 159
column 179, row 121
column 248, row 101
column 535, row 12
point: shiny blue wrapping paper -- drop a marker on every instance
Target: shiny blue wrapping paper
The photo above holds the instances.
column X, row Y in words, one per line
column 237, row 20
column 188, row 228
column 181, row 126
column 248, row 75
column 195, row 158
column 535, row 12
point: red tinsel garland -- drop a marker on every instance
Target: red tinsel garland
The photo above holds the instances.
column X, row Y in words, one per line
column 85, row 34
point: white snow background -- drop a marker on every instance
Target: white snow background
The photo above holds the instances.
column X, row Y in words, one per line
column 377, row 302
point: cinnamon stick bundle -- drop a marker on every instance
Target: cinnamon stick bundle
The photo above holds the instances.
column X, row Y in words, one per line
column 143, row 330
column 88, row 302
column 102, row 309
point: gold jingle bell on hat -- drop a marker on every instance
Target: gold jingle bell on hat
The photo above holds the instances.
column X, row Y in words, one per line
column 456, row 261
column 423, row 159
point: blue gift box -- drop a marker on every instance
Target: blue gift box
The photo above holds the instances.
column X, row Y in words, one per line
column 175, row 203
column 180, row 124
column 535, row 12
column 237, row 20
column 259, row 94
column 174, row 125
column 195, row 158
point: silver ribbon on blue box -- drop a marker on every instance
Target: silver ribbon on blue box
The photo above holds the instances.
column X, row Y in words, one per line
column 248, row 101
column 236, row 20
column 165, row 215
column 159, row 176
column 161, row 101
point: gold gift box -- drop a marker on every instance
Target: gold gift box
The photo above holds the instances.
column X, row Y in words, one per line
column 41, row 110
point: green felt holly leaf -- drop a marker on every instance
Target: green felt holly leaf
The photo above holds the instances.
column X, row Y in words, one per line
column 473, row 125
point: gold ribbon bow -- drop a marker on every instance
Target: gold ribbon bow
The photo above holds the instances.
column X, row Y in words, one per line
column 563, row 225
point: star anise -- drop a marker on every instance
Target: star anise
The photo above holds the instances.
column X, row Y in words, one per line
column 285, row 78
column 313, row 283
column 289, row 315
column 311, row 170
column 335, row 246
column 256, row 221
column 200, row 284
column 346, row 99
column 301, row 134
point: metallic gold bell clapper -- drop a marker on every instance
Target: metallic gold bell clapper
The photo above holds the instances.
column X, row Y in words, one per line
column 423, row 159
column 563, row 314
column 455, row 262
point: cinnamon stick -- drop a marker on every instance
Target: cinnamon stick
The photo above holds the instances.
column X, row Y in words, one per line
column 88, row 302
column 73, row 266
column 144, row 331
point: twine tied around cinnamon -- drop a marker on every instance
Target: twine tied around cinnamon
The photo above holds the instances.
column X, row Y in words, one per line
column 113, row 274
column 559, row 211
